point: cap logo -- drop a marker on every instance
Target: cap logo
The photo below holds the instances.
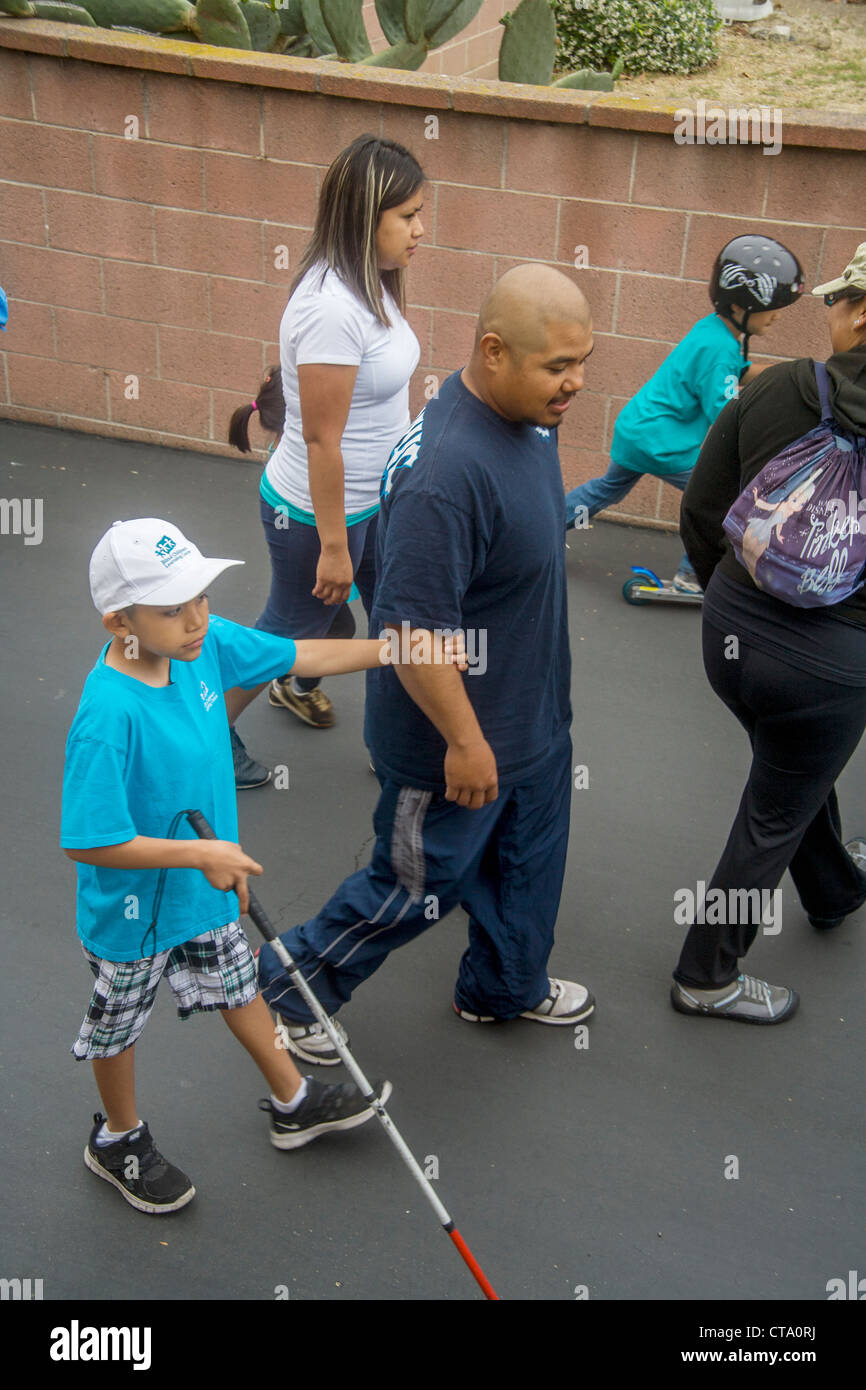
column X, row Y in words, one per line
column 168, row 553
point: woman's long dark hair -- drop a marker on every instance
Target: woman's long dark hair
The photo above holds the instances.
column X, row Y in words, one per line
column 271, row 407
column 366, row 179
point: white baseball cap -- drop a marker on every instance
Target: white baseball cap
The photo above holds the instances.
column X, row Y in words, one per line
column 149, row 561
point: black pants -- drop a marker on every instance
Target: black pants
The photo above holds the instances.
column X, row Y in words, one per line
column 803, row 729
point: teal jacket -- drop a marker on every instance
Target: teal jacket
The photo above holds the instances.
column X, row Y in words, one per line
column 662, row 428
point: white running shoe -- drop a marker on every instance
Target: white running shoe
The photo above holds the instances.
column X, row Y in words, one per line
column 310, row 1042
column 567, row 1002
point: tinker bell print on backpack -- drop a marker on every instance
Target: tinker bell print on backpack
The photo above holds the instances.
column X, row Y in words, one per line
column 799, row 527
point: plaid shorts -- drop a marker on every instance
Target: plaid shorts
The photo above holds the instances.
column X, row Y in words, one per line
column 214, row 971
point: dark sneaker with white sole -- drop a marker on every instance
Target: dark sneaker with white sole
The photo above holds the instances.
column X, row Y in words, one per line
column 138, row 1170
column 323, row 1109
column 248, row 773
column 745, row 1000
column 310, row 1042
column 857, row 850
column 566, row 1003
column 312, row 706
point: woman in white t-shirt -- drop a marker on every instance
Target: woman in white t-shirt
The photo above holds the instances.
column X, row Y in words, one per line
column 346, row 356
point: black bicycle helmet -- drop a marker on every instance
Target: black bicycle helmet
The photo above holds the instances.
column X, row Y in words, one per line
column 754, row 273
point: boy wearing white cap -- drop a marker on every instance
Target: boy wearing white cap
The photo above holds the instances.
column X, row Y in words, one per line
column 150, row 740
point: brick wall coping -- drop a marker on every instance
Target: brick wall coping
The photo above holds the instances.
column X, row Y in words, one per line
column 824, row 129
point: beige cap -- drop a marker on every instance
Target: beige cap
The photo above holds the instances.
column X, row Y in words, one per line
column 853, row 277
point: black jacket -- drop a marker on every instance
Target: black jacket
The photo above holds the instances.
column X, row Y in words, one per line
column 778, row 407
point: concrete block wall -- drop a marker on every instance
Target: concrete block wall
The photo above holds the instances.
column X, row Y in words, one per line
column 155, row 197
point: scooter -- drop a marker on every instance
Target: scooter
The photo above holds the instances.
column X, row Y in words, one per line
column 649, row 588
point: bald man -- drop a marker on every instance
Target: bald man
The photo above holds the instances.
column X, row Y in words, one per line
column 475, row 768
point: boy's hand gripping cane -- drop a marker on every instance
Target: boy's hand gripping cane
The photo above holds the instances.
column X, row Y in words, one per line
column 260, row 917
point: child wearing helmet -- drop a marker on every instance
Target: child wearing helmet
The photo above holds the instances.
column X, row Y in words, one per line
column 661, row 429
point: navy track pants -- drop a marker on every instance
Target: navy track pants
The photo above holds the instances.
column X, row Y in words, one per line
column 503, row 863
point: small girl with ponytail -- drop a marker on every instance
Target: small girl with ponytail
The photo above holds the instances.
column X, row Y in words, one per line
column 271, row 410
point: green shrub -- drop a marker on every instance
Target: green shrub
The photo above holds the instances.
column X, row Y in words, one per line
column 648, row 35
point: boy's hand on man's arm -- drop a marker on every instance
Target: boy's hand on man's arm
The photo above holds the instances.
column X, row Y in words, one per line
column 336, row 656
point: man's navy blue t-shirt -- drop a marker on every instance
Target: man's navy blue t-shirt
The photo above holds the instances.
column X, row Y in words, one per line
column 471, row 535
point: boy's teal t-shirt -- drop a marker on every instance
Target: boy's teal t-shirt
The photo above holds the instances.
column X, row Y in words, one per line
column 662, row 428
column 135, row 756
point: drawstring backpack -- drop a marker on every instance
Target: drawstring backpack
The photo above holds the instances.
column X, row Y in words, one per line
column 799, row 527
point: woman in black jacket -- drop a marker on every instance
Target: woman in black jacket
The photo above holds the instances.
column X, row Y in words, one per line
column 794, row 677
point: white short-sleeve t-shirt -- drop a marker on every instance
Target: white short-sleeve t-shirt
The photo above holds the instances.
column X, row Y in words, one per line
column 325, row 322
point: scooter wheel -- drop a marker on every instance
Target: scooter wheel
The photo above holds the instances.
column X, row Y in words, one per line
column 634, row 591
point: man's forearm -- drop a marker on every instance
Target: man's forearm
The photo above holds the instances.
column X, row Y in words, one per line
column 439, row 692
column 469, row 768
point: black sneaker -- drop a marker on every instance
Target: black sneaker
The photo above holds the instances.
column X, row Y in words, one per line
column 324, row 1108
column 248, row 773
column 138, row 1170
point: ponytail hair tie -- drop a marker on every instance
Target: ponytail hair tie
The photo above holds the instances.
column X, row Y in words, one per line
column 254, row 404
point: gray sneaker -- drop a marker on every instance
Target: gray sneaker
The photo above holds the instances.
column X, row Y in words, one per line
column 857, row 850
column 745, row 1000
column 310, row 1042
column 566, row 1002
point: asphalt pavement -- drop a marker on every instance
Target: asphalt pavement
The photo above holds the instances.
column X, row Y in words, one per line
column 653, row 1157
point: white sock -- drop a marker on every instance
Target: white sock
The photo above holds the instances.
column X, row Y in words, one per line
column 286, row 1107
column 107, row 1136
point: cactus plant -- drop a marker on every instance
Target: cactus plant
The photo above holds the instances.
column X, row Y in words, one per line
column 291, row 19
column 157, row 16
column 263, row 24
column 416, row 26
column 446, row 19
column 316, row 27
column 588, row 80
column 221, row 22
column 62, row 13
column 405, row 55
column 390, row 16
column 414, row 18
column 301, row 47
column 345, row 25
column 528, row 51
column 432, row 22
